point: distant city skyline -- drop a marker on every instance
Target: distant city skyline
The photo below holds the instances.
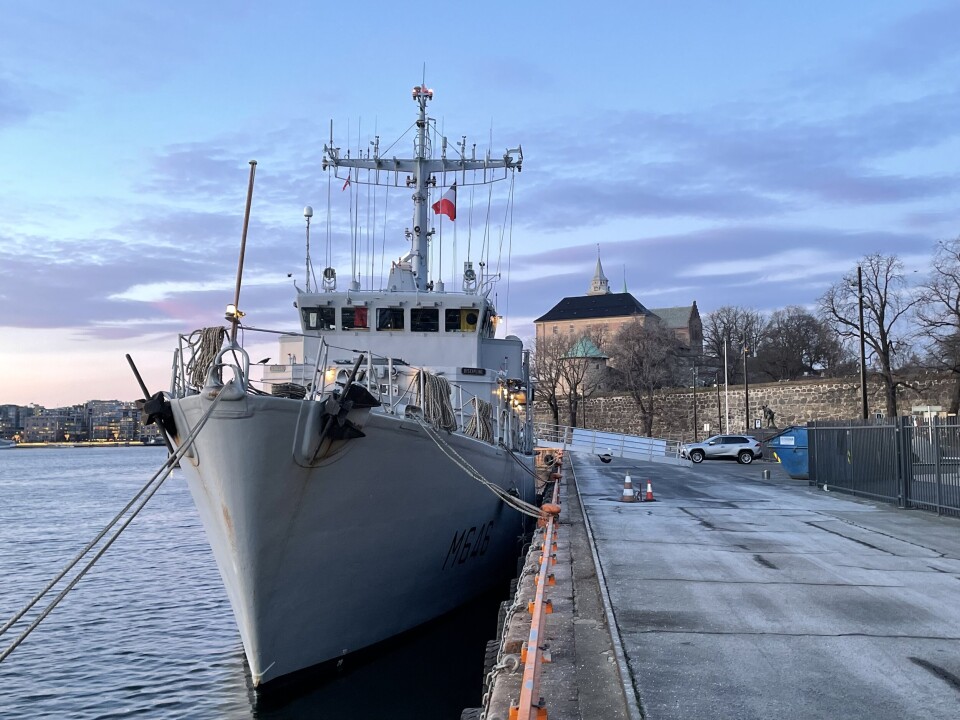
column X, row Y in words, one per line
column 744, row 154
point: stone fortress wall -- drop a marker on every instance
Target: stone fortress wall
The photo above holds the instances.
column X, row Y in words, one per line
column 793, row 403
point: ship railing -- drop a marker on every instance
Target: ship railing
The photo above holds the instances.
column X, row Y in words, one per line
column 614, row 444
column 201, row 357
column 400, row 378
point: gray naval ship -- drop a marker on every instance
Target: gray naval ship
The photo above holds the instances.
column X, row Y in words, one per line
column 384, row 478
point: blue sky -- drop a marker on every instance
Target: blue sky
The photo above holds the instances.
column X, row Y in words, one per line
column 729, row 153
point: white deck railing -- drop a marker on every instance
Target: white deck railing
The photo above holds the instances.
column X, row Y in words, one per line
column 615, row 444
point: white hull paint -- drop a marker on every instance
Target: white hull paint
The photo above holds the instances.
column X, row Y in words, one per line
column 382, row 535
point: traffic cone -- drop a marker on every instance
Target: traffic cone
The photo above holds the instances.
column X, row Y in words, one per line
column 649, row 496
column 628, row 494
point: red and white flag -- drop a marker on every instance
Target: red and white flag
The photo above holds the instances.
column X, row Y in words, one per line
column 346, row 183
column 447, row 205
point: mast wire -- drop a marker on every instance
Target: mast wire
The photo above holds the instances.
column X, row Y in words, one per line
column 510, row 205
column 328, row 255
column 383, row 243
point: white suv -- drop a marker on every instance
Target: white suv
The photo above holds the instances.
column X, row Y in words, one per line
column 743, row 448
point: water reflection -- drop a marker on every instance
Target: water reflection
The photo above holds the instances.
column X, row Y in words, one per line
column 148, row 633
column 431, row 672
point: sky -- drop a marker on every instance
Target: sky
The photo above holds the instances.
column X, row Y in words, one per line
column 740, row 153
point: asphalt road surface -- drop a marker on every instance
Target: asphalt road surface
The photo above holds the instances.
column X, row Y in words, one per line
column 737, row 597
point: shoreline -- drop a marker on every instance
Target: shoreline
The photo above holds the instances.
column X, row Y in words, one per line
column 81, row 444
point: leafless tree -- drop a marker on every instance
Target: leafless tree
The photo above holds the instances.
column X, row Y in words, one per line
column 796, row 343
column 938, row 312
column 737, row 327
column 644, row 354
column 886, row 299
column 582, row 368
column 548, row 354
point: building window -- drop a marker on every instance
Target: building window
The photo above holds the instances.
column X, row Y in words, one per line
column 425, row 319
column 390, row 318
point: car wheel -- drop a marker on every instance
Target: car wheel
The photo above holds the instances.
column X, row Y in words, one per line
column 745, row 457
column 697, row 456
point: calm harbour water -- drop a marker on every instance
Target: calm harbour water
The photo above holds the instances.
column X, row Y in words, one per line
column 148, row 632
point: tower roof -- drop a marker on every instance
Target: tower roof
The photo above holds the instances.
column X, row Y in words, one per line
column 585, row 348
column 599, row 285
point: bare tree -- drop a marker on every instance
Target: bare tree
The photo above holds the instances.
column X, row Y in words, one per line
column 938, row 312
column 885, row 300
column 737, row 327
column 644, row 354
column 796, row 343
column 548, row 354
column 582, row 368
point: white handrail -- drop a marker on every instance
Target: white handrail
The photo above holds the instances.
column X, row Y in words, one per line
column 618, row 444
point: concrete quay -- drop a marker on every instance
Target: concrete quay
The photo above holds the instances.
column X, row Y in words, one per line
column 733, row 596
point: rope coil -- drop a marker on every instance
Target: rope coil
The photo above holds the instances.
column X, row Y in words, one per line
column 204, row 346
column 436, row 404
column 480, row 425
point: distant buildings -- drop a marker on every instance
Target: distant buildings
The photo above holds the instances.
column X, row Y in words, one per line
column 600, row 308
column 11, row 420
column 95, row 421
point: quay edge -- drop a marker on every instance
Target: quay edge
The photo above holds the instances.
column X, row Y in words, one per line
column 584, row 676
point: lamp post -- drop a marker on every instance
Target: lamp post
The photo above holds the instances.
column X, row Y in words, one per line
column 716, row 382
column 746, row 392
column 696, row 437
column 863, row 350
column 726, row 388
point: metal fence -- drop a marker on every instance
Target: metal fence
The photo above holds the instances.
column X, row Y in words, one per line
column 912, row 462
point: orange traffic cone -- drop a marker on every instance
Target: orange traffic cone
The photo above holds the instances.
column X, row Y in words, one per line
column 649, row 496
column 628, row 494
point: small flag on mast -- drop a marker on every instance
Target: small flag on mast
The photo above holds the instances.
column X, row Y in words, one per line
column 447, row 205
column 345, row 183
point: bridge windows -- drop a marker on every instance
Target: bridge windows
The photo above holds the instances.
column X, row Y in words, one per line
column 354, row 318
column 461, row 319
column 425, row 319
column 390, row 318
column 319, row 318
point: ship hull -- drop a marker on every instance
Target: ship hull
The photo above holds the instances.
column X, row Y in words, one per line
column 323, row 557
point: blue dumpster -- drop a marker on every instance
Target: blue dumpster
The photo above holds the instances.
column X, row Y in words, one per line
column 789, row 448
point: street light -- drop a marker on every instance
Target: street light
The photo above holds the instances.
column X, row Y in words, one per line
column 746, row 392
column 863, row 352
column 716, row 381
column 726, row 388
column 696, row 437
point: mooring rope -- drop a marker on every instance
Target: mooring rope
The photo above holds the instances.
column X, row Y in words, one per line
column 480, row 425
column 516, row 503
column 436, row 405
column 205, row 343
column 527, row 470
column 163, row 473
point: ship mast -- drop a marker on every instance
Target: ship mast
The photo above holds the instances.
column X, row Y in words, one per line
column 421, row 173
